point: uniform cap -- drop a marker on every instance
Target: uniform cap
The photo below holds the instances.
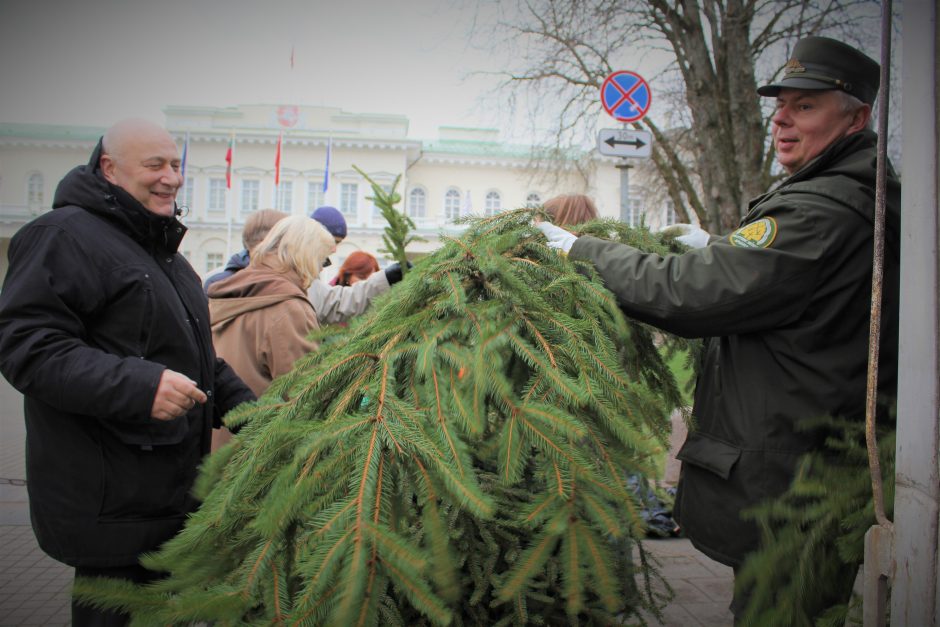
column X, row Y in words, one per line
column 823, row 63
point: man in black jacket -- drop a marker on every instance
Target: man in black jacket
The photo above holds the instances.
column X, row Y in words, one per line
column 784, row 301
column 104, row 328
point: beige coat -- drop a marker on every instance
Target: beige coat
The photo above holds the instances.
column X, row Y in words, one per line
column 260, row 322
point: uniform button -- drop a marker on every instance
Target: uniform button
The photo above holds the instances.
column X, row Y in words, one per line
column 169, row 259
column 209, row 393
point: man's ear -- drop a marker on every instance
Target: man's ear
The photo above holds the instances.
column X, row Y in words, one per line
column 107, row 168
column 860, row 118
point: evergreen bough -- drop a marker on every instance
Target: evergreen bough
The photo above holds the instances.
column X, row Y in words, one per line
column 397, row 235
column 458, row 456
column 813, row 535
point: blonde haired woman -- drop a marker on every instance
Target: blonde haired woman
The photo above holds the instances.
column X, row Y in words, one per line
column 261, row 316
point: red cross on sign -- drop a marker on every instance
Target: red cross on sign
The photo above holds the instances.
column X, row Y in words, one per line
column 626, row 96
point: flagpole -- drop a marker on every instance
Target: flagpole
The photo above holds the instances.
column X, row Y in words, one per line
column 277, row 168
column 229, row 158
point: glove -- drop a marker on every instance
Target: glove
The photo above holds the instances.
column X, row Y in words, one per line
column 692, row 236
column 393, row 272
column 557, row 237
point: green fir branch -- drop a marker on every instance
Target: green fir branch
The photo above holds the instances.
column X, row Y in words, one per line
column 457, row 456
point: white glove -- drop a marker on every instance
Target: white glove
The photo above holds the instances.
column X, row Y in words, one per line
column 557, row 237
column 692, row 236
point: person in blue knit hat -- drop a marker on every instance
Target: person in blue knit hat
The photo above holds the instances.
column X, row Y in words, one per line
column 332, row 219
column 332, row 303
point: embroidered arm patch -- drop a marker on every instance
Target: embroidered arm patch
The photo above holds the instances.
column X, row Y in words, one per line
column 758, row 234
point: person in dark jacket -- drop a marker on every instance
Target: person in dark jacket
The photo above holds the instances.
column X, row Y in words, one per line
column 784, row 301
column 104, row 328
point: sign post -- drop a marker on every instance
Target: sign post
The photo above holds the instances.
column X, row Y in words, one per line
column 626, row 97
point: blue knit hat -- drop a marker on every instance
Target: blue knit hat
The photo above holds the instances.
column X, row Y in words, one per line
column 332, row 219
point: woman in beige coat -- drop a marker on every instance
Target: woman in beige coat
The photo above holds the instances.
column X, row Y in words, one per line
column 261, row 316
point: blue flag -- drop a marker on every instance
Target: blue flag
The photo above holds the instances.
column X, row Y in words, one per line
column 183, row 159
column 326, row 170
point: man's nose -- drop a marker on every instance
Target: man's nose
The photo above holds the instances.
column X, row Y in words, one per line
column 781, row 116
column 171, row 177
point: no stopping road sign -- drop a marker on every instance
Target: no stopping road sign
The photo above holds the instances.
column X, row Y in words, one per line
column 626, row 96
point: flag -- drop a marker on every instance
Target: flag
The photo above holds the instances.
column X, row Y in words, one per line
column 277, row 162
column 326, row 169
column 183, row 159
column 467, row 207
column 228, row 161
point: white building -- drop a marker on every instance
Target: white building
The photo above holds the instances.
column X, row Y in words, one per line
column 463, row 171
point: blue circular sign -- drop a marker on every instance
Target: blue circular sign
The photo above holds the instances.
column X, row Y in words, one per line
column 626, row 96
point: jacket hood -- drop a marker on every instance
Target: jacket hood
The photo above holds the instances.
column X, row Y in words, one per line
column 256, row 287
column 85, row 186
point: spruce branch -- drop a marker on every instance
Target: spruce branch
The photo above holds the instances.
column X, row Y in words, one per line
column 458, row 456
column 398, row 232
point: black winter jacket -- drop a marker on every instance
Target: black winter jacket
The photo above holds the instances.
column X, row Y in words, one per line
column 785, row 303
column 96, row 304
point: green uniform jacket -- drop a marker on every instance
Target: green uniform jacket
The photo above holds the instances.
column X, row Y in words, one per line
column 785, row 302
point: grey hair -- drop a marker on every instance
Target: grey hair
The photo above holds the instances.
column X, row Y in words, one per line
column 850, row 104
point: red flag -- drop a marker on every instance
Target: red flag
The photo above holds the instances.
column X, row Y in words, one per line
column 277, row 162
column 228, row 161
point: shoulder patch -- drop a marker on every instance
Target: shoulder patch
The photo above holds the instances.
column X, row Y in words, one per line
column 760, row 234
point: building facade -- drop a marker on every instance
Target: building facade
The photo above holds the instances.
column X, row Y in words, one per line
column 313, row 153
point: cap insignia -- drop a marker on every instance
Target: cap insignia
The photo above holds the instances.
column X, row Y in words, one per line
column 760, row 234
column 793, row 67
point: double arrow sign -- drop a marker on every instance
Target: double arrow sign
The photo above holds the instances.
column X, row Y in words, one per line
column 619, row 142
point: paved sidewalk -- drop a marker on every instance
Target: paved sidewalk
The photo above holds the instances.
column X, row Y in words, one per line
column 35, row 589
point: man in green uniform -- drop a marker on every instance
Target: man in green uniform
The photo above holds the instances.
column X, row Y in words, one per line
column 784, row 300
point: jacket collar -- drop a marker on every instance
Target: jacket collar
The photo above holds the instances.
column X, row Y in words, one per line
column 86, row 187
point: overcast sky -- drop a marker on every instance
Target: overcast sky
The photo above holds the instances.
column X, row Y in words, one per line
column 93, row 62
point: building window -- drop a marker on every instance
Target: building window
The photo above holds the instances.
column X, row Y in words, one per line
column 451, row 205
column 493, row 204
column 184, row 197
column 671, row 216
column 251, row 195
column 533, row 200
column 349, row 199
column 213, row 261
column 634, row 212
column 314, row 196
column 34, row 185
column 376, row 212
column 285, row 196
column 417, row 203
column 216, row 196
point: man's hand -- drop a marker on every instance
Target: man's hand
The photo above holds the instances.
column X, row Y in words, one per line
column 692, row 236
column 176, row 395
column 557, row 237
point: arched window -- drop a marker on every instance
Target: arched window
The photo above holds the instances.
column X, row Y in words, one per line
column 452, row 204
column 493, row 203
column 417, row 203
column 533, row 200
column 34, row 185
